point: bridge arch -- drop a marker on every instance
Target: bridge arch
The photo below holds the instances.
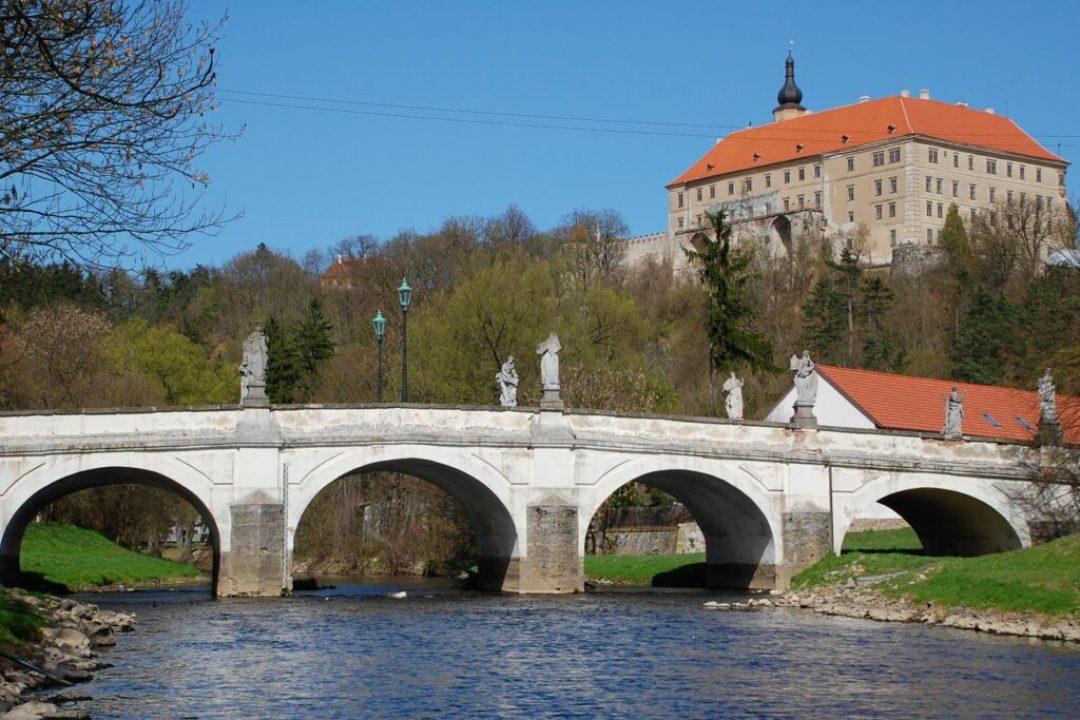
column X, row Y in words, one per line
column 44, row 485
column 950, row 515
column 736, row 516
column 481, row 490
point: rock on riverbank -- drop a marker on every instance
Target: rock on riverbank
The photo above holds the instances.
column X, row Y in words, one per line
column 65, row 653
column 856, row 601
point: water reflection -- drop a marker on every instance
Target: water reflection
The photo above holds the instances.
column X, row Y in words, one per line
column 352, row 652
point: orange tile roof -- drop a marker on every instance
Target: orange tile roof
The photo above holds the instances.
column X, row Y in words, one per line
column 902, row 402
column 862, row 123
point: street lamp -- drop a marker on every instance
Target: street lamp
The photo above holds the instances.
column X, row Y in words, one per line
column 404, row 294
column 379, row 323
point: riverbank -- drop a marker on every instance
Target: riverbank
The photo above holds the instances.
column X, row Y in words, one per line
column 53, row 644
column 63, row 558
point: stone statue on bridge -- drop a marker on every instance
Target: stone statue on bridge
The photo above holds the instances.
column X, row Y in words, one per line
column 954, row 415
column 507, row 378
column 1049, row 425
column 733, row 402
column 805, row 390
column 253, row 370
column 549, row 372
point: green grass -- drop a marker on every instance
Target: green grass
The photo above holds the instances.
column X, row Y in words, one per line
column 635, row 569
column 83, row 559
column 19, row 623
column 900, row 539
column 1043, row 579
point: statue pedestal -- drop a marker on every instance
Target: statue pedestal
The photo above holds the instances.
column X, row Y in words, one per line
column 804, row 419
column 551, row 399
column 256, row 397
column 1049, row 433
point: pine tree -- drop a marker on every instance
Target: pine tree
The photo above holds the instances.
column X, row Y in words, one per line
column 878, row 348
column 725, row 271
column 825, row 322
column 986, row 340
column 313, row 344
column 282, row 363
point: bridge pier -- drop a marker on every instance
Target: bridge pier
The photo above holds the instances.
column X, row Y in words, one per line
column 254, row 565
column 553, row 563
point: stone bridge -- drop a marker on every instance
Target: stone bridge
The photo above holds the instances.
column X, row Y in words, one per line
column 769, row 499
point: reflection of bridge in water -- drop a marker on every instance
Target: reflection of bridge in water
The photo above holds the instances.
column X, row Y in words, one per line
column 770, row 500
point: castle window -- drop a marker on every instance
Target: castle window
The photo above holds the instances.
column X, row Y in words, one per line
column 1009, row 196
column 748, row 185
column 851, row 164
column 699, row 194
column 680, row 200
column 929, row 183
column 971, row 162
column 955, row 187
column 1008, row 169
column 971, row 190
column 817, row 200
column 892, row 184
column 698, row 220
column 1061, row 179
column 1023, row 198
column 894, row 155
column 929, row 209
column 712, row 192
column 1023, row 172
column 817, row 171
column 851, row 216
column 768, row 180
column 993, row 191
column 939, row 181
column 879, row 158
column 929, row 236
column 802, row 174
column 787, row 204
column 850, row 192
column 940, row 209
column 787, row 176
column 892, row 209
column 892, row 238
column 731, row 188
column 991, row 167
column 932, row 155
column 802, row 202
column 877, row 212
column 956, row 160
column 1038, row 202
column 877, row 187
column 680, row 222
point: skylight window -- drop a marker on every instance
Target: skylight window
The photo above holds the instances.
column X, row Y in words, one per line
column 992, row 420
column 1024, row 423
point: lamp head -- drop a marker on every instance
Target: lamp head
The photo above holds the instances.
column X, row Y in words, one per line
column 404, row 294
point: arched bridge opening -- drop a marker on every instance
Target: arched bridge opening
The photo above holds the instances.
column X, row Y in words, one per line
column 11, row 571
column 948, row 522
column 395, row 522
column 739, row 546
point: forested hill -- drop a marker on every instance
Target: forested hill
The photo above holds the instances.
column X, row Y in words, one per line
column 634, row 339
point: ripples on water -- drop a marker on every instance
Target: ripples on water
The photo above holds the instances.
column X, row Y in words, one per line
column 439, row 653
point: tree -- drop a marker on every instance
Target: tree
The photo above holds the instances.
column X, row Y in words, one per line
column 282, row 363
column 725, row 271
column 879, row 351
column 986, row 340
column 102, row 116
column 593, row 244
column 311, row 339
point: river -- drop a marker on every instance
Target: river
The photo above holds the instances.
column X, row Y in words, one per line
column 352, row 652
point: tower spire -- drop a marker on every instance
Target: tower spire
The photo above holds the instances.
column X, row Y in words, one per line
column 789, row 98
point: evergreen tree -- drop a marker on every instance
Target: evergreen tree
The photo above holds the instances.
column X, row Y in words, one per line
column 725, row 271
column 282, row 363
column 986, row 339
column 878, row 348
column 825, row 323
column 312, row 344
column 954, row 238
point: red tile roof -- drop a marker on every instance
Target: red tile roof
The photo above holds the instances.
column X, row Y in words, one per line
column 901, row 402
column 863, row 123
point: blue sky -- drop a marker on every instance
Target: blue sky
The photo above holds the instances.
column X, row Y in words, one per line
column 306, row 178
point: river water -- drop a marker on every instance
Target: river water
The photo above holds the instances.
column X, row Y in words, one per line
column 352, row 652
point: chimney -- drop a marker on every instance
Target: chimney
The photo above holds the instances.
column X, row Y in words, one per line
column 905, row 93
column 990, row 110
column 961, row 103
column 864, row 98
column 924, row 94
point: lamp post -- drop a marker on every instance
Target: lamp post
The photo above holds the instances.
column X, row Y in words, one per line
column 404, row 294
column 379, row 323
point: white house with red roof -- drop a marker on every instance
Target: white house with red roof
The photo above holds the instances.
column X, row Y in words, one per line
column 867, row 399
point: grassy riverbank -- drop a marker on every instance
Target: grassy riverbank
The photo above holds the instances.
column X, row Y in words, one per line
column 635, row 569
column 1044, row 579
column 82, row 559
column 19, row 622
